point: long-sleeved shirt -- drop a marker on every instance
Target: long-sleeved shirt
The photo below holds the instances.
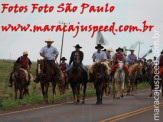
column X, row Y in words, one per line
column 99, row 56
column 50, row 52
column 132, row 59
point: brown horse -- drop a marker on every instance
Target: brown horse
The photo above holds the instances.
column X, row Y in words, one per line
column 99, row 71
column 47, row 72
column 20, row 82
column 76, row 79
column 135, row 70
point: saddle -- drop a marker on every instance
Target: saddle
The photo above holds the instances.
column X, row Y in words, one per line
column 27, row 77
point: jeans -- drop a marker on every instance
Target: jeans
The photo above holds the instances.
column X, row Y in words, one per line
column 81, row 66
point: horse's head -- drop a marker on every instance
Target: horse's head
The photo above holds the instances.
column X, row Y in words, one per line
column 140, row 69
column 120, row 65
column 76, row 60
column 99, row 71
column 40, row 66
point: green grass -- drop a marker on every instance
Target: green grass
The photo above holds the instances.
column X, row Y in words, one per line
column 36, row 99
column 7, row 100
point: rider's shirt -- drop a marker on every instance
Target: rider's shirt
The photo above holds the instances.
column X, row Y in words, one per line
column 80, row 53
column 99, row 56
column 50, row 52
column 119, row 57
column 24, row 62
column 63, row 66
column 132, row 59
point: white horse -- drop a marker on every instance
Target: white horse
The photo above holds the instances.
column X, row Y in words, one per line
column 118, row 80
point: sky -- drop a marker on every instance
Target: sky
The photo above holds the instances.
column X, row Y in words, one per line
column 127, row 12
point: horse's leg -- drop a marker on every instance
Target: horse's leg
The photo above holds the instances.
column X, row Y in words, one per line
column 73, row 90
column 84, row 91
column 114, row 89
column 97, row 94
column 54, row 86
column 122, row 89
column 43, row 92
column 16, row 93
column 21, row 93
column 109, row 88
column 46, row 92
column 78, row 92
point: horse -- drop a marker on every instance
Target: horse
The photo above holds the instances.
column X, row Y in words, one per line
column 119, row 80
column 99, row 72
column 46, row 72
column 20, row 81
column 135, row 71
column 76, row 78
column 150, row 78
column 108, row 85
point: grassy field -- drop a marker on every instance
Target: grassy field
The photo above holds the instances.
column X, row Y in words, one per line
column 7, row 94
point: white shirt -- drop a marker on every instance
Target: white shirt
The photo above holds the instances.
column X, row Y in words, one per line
column 50, row 52
column 99, row 56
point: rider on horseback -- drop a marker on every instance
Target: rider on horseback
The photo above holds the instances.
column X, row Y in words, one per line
column 81, row 55
column 99, row 56
column 25, row 63
column 119, row 57
column 64, row 66
column 132, row 58
column 50, row 54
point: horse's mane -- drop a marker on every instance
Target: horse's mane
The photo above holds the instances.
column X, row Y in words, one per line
column 133, row 67
column 93, row 66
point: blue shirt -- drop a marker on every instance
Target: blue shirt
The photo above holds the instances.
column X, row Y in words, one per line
column 99, row 56
column 132, row 59
column 50, row 52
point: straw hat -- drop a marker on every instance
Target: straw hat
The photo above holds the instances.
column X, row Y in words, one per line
column 149, row 60
column 132, row 49
column 25, row 53
column 109, row 50
column 49, row 40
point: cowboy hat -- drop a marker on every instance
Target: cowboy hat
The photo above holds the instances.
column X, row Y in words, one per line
column 132, row 49
column 49, row 40
column 119, row 49
column 77, row 46
column 109, row 50
column 149, row 60
column 99, row 46
column 63, row 58
column 25, row 53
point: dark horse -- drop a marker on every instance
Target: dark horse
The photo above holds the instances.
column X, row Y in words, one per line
column 76, row 78
column 99, row 72
column 20, row 82
column 46, row 72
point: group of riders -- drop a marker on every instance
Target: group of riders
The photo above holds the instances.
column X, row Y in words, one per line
column 50, row 53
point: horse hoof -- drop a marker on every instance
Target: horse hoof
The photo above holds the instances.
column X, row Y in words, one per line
column 78, row 101
column 122, row 95
column 118, row 97
column 83, row 102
